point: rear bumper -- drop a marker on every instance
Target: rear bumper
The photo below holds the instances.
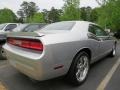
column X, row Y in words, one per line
column 38, row 66
column 27, row 65
column 31, row 68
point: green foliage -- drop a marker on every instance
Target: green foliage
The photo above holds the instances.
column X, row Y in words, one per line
column 54, row 15
column 71, row 10
column 83, row 13
column 101, row 2
column 94, row 15
column 109, row 15
column 6, row 15
column 28, row 9
column 88, row 14
column 37, row 18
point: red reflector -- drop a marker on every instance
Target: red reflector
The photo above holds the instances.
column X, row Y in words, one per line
column 26, row 43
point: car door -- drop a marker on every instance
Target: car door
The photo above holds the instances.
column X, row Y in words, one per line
column 105, row 41
column 94, row 42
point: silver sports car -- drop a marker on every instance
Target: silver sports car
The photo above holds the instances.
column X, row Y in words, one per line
column 62, row 48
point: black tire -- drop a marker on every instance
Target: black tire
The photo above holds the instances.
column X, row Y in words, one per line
column 113, row 52
column 2, row 56
column 76, row 65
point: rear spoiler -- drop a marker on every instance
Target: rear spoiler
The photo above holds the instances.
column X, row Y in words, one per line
column 25, row 34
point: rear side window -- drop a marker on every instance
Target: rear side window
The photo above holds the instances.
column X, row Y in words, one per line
column 59, row 26
column 92, row 29
column 100, row 32
column 97, row 30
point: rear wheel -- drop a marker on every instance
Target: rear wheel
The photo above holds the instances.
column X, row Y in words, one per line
column 79, row 69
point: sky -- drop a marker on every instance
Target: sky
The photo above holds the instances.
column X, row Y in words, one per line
column 43, row 4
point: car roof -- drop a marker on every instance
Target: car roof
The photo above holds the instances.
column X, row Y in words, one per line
column 85, row 22
column 34, row 23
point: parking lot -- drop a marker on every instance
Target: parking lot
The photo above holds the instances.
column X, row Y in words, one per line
column 104, row 75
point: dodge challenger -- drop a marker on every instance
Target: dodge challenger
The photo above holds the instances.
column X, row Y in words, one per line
column 62, row 48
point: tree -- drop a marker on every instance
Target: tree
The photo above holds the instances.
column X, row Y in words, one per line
column 94, row 15
column 28, row 9
column 109, row 15
column 7, row 16
column 22, row 16
column 89, row 14
column 83, row 13
column 101, row 2
column 53, row 15
column 71, row 10
column 46, row 13
column 37, row 18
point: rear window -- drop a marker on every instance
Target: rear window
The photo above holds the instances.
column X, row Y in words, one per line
column 59, row 26
column 31, row 28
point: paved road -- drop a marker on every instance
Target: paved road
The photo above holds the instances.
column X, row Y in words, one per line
column 14, row 80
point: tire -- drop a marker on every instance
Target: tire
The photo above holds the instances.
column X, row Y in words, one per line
column 113, row 52
column 2, row 54
column 79, row 69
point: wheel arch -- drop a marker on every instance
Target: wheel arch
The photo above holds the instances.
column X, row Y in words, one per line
column 87, row 50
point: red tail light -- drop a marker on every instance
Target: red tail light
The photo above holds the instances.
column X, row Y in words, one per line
column 26, row 43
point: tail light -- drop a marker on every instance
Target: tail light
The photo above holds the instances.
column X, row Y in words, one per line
column 26, row 43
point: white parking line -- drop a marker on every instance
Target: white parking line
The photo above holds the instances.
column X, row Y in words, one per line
column 107, row 78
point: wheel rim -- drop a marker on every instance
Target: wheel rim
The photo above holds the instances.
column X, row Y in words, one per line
column 3, row 53
column 114, row 52
column 82, row 68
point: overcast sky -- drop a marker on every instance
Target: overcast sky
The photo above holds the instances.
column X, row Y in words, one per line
column 43, row 4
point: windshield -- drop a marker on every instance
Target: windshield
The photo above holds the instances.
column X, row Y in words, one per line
column 2, row 26
column 59, row 26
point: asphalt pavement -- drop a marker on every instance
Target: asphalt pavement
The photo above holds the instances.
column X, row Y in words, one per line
column 106, row 71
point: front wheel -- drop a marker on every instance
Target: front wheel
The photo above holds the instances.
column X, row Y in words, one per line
column 79, row 69
column 113, row 52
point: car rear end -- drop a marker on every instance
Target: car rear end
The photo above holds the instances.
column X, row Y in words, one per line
column 39, row 54
column 26, row 55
